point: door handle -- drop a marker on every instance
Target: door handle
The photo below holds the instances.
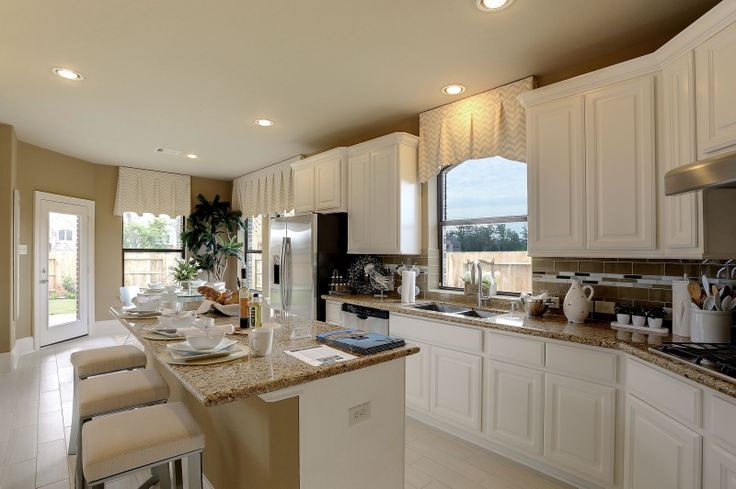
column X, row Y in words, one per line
column 43, row 281
column 287, row 263
column 282, row 271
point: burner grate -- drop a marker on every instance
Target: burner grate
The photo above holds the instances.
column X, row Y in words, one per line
column 718, row 358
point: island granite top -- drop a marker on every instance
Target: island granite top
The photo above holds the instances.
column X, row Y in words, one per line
column 593, row 333
column 251, row 376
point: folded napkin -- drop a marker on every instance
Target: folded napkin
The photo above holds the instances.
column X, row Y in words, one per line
column 204, row 307
column 223, row 328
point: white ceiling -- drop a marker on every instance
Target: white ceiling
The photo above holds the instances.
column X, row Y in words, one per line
column 193, row 75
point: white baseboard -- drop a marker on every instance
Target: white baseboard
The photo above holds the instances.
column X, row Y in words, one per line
column 206, row 484
column 6, row 362
column 23, row 346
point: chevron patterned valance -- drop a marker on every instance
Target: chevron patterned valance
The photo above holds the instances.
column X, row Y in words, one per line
column 265, row 191
column 492, row 123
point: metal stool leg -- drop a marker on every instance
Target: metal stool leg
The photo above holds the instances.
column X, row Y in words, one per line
column 193, row 468
column 76, row 429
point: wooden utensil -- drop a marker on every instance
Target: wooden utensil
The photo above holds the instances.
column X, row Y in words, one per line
column 693, row 289
column 714, row 291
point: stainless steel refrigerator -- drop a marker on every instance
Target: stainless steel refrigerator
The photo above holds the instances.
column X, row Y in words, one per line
column 304, row 250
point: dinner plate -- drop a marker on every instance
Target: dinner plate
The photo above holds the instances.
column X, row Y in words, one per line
column 184, row 348
column 141, row 313
column 193, row 356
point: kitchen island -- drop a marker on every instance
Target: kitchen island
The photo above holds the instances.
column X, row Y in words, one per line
column 277, row 422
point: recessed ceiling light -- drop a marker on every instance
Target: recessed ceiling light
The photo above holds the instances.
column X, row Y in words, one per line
column 192, row 156
column 492, row 5
column 67, row 74
column 264, row 122
column 454, row 89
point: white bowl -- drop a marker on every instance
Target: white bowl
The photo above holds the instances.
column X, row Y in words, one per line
column 205, row 341
column 150, row 306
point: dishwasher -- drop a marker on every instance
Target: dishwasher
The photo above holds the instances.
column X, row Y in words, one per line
column 365, row 318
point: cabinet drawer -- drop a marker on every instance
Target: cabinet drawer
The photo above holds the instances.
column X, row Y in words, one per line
column 722, row 416
column 671, row 396
column 514, row 349
column 436, row 333
column 598, row 366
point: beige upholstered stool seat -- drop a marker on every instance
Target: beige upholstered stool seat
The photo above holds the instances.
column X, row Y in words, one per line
column 121, row 390
column 129, row 440
column 99, row 361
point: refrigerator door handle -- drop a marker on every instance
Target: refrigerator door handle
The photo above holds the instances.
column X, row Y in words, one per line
column 282, row 279
column 288, row 271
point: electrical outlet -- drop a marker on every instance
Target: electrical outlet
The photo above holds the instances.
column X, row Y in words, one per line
column 554, row 302
column 358, row 414
column 604, row 307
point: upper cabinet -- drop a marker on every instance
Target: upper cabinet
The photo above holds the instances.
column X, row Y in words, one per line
column 383, row 196
column 620, row 166
column 320, row 182
column 715, row 74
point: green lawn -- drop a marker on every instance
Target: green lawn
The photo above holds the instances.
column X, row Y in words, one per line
column 62, row 306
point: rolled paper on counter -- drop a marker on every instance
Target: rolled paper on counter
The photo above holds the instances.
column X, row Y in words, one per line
column 680, row 308
column 408, row 286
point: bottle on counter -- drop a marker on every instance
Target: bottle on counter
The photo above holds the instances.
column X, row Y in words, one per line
column 256, row 308
column 245, row 300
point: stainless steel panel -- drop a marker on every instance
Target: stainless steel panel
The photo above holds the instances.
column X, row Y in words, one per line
column 301, row 265
column 277, row 233
column 716, row 172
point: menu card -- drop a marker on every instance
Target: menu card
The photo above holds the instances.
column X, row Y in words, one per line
column 318, row 356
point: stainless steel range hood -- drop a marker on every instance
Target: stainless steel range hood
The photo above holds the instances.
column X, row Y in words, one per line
column 716, row 172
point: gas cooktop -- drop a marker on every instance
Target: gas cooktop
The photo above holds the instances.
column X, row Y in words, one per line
column 715, row 358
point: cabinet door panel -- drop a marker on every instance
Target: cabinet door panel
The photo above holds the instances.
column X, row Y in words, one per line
column 556, row 168
column 359, row 204
column 681, row 213
column 384, row 211
column 328, row 184
column 660, row 452
column 579, row 424
column 720, row 468
column 417, row 378
column 620, row 167
column 456, row 387
column 304, row 189
column 715, row 69
column 514, row 405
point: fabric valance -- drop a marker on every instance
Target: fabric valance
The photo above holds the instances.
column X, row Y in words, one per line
column 155, row 192
column 492, row 123
column 265, row 191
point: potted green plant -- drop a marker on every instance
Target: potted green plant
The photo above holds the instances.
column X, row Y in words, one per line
column 211, row 236
column 638, row 316
column 655, row 317
column 184, row 271
column 623, row 313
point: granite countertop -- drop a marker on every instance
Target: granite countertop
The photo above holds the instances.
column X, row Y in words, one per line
column 246, row 377
column 594, row 333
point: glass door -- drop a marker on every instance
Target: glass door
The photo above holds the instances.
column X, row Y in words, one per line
column 62, row 252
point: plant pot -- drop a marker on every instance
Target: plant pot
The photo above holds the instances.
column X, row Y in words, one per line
column 655, row 322
column 710, row 326
column 623, row 318
column 639, row 321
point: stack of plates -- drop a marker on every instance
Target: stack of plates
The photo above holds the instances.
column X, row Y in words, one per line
column 161, row 333
column 183, row 351
column 139, row 313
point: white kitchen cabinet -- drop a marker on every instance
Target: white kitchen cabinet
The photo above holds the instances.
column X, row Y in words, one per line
column 320, row 182
column 715, row 74
column 417, row 377
column 660, row 452
column 720, row 468
column 579, row 426
column 383, row 197
column 455, row 390
column 513, row 405
column 620, row 166
column 556, row 172
column 681, row 216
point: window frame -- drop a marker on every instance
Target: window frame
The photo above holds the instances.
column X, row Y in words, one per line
column 246, row 250
column 442, row 222
column 182, row 251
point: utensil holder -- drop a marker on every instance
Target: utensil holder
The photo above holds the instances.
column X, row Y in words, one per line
column 710, row 326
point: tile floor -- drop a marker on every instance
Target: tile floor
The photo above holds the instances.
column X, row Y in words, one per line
column 35, row 416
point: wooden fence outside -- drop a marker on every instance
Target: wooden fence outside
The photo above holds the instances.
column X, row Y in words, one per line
column 514, row 268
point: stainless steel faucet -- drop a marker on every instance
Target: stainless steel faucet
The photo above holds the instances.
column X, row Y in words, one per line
column 476, row 277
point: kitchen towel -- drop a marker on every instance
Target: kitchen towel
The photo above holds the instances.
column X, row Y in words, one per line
column 680, row 308
column 408, row 286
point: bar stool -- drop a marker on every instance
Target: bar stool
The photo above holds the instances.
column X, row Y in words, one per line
column 150, row 437
column 98, row 361
column 107, row 394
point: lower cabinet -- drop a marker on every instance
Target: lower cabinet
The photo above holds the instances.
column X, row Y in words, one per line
column 660, row 452
column 456, row 387
column 579, row 427
column 720, row 468
column 417, row 378
column 514, row 405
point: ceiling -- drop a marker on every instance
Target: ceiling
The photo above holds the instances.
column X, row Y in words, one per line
column 193, row 75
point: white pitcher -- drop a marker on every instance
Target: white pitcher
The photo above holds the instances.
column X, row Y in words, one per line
column 577, row 304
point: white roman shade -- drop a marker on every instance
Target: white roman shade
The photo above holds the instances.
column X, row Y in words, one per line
column 155, row 192
column 492, row 123
column 265, row 191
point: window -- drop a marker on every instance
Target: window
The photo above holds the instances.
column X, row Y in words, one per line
column 151, row 245
column 482, row 214
column 65, row 235
column 253, row 252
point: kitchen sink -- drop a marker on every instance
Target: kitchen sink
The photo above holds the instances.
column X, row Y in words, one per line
column 443, row 308
column 474, row 313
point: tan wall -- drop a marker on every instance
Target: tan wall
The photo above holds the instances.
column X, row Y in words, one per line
column 7, row 181
column 44, row 170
